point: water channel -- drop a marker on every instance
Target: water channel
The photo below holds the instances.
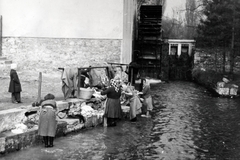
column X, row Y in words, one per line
column 188, row 123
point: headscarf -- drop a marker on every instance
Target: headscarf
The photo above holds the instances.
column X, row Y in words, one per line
column 49, row 96
column 14, row 66
column 114, row 83
column 49, row 101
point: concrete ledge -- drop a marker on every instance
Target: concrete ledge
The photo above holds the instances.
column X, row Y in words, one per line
column 9, row 118
column 10, row 142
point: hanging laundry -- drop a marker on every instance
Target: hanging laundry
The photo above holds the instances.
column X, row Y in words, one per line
column 95, row 80
column 84, row 75
column 111, row 72
column 69, row 82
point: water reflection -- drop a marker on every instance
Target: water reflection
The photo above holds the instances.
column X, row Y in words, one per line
column 194, row 125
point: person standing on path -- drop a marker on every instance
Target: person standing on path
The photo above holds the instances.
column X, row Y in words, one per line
column 113, row 110
column 15, row 85
column 47, row 120
column 147, row 98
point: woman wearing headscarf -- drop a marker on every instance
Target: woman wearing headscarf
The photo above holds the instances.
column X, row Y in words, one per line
column 15, row 85
column 113, row 110
column 47, row 120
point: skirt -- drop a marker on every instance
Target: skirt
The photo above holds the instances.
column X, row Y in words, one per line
column 113, row 108
column 47, row 123
column 148, row 103
column 135, row 107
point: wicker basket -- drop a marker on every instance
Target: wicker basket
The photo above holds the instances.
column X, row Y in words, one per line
column 86, row 93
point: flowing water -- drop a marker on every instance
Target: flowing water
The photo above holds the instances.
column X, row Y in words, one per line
column 187, row 124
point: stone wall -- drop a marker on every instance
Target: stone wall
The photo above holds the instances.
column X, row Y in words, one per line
column 48, row 54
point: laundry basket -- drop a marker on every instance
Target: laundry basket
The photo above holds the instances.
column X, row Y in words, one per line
column 86, row 93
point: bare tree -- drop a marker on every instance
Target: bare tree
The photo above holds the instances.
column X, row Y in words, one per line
column 191, row 18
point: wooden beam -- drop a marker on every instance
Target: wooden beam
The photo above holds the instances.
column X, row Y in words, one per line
column 121, row 64
column 0, row 35
column 39, row 87
column 79, row 83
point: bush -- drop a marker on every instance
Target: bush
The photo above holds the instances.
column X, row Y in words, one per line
column 207, row 78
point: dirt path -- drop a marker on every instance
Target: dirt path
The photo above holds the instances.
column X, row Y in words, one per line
column 51, row 83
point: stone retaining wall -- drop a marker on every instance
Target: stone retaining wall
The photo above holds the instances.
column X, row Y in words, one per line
column 47, row 54
column 10, row 142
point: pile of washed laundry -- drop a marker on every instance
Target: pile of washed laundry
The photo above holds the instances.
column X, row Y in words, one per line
column 95, row 79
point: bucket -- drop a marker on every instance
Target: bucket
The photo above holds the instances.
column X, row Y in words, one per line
column 86, row 93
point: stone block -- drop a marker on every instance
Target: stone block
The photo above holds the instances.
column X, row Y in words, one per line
column 230, row 90
column 100, row 118
column 62, row 105
column 61, row 128
column 79, row 127
column 222, row 91
column 70, row 121
column 74, row 128
column 15, row 142
column 233, row 91
column 2, row 145
column 88, row 122
column 94, row 120
column 9, row 118
column 8, row 62
column 2, row 58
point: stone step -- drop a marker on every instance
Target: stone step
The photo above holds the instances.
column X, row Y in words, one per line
column 9, row 118
column 5, row 61
column 8, row 61
column 3, row 58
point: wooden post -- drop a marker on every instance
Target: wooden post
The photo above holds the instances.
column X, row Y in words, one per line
column 79, row 82
column 132, row 76
column 39, row 87
column 108, row 72
column 0, row 35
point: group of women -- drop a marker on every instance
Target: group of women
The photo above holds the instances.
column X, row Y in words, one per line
column 112, row 109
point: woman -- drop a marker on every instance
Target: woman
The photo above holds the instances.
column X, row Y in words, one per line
column 147, row 97
column 113, row 110
column 15, row 85
column 135, row 103
column 47, row 120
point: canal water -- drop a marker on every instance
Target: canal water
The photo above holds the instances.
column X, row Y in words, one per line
column 187, row 123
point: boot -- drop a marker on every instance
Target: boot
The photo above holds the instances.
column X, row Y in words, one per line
column 45, row 139
column 51, row 141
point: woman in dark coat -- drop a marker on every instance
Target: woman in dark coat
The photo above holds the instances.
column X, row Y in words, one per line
column 47, row 120
column 15, row 85
column 113, row 110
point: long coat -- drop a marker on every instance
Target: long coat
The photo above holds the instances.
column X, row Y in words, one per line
column 15, row 85
column 47, row 120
